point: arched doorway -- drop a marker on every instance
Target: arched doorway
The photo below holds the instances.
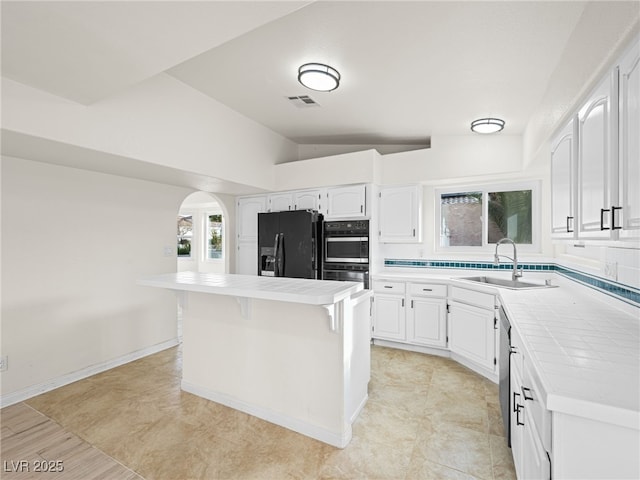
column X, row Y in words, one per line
column 202, row 242
column 202, row 237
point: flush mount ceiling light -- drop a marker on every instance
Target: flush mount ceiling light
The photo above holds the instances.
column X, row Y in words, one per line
column 487, row 125
column 318, row 76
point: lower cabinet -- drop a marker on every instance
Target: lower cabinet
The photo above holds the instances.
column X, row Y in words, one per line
column 530, row 420
column 427, row 321
column 472, row 334
column 389, row 317
column 410, row 312
column 473, row 327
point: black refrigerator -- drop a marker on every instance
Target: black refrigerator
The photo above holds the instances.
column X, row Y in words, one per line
column 290, row 244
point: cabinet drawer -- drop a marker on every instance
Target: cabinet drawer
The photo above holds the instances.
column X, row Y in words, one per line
column 383, row 286
column 471, row 297
column 427, row 290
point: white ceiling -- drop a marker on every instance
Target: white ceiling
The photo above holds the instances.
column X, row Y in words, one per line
column 409, row 69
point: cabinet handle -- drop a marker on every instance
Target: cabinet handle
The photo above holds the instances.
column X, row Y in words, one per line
column 427, row 289
column 569, row 229
column 613, row 218
column 388, row 286
column 411, row 303
column 414, row 232
column 403, row 302
column 361, row 209
column 526, row 390
column 515, row 403
column 513, row 350
column 602, row 210
column 518, row 422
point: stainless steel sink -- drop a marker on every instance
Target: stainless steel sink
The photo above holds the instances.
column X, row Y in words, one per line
column 506, row 283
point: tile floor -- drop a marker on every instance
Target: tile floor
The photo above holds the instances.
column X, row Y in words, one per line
column 427, row 418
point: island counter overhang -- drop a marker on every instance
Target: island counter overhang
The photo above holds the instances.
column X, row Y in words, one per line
column 294, row 352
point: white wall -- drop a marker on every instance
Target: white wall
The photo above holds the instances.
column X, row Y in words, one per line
column 160, row 121
column 74, row 243
column 343, row 169
column 452, row 157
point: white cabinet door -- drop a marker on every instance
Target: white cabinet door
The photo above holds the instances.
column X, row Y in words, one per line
column 516, row 420
column 628, row 218
column 247, row 258
column 308, row 200
column 597, row 147
column 399, row 214
column 346, row 202
column 535, row 461
column 427, row 321
column 471, row 334
column 563, row 170
column 280, row 202
column 389, row 317
column 247, row 217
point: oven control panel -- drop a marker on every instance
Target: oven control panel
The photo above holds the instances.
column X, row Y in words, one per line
column 347, row 227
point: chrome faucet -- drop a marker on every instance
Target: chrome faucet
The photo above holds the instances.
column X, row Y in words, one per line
column 516, row 274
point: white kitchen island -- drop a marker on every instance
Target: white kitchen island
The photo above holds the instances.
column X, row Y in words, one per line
column 294, row 352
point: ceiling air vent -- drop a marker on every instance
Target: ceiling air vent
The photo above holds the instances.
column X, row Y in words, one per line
column 303, row 101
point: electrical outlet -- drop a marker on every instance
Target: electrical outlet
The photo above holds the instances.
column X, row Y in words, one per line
column 611, row 270
column 4, row 363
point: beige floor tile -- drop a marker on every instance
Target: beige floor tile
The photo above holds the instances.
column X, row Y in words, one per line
column 427, row 418
column 456, row 447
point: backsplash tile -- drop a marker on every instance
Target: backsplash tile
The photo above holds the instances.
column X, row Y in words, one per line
column 618, row 290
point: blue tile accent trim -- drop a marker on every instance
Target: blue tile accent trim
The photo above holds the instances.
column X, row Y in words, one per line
column 622, row 292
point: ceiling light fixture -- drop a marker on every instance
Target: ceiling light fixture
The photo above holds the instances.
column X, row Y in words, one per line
column 487, row 125
column 318, row 76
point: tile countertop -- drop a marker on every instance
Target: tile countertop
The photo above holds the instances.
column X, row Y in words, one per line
column 584, row 345
column 297, row 290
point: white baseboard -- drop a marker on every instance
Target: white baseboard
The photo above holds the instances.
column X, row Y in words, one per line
column 337, row 439
column 412, row 348
column 34, row 390
column 479, row 369
column 359, row 409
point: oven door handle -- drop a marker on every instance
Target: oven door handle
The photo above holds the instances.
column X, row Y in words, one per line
column 345, row 239
column 346, row 260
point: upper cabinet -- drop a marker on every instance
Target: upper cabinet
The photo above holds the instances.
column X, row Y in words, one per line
column 308, row 200
column 597, row 120
column 400, row 214
column 629, row 152
column 595, row 161
column 563, row 180
column 247, row 217
column 279, row 202
column 347, row 201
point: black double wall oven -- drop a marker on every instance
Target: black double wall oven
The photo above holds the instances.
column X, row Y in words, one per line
column 346, row 251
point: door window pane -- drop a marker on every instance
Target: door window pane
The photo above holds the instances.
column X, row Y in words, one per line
column 214, row 236
column 185, row 233
column 509, row 215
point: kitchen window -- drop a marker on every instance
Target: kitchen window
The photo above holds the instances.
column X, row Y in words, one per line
column 472, row 219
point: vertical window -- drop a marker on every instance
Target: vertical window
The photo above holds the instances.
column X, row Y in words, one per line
column 185, row 234
column 510, row 216
column 214, row 236
column 461, row 219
